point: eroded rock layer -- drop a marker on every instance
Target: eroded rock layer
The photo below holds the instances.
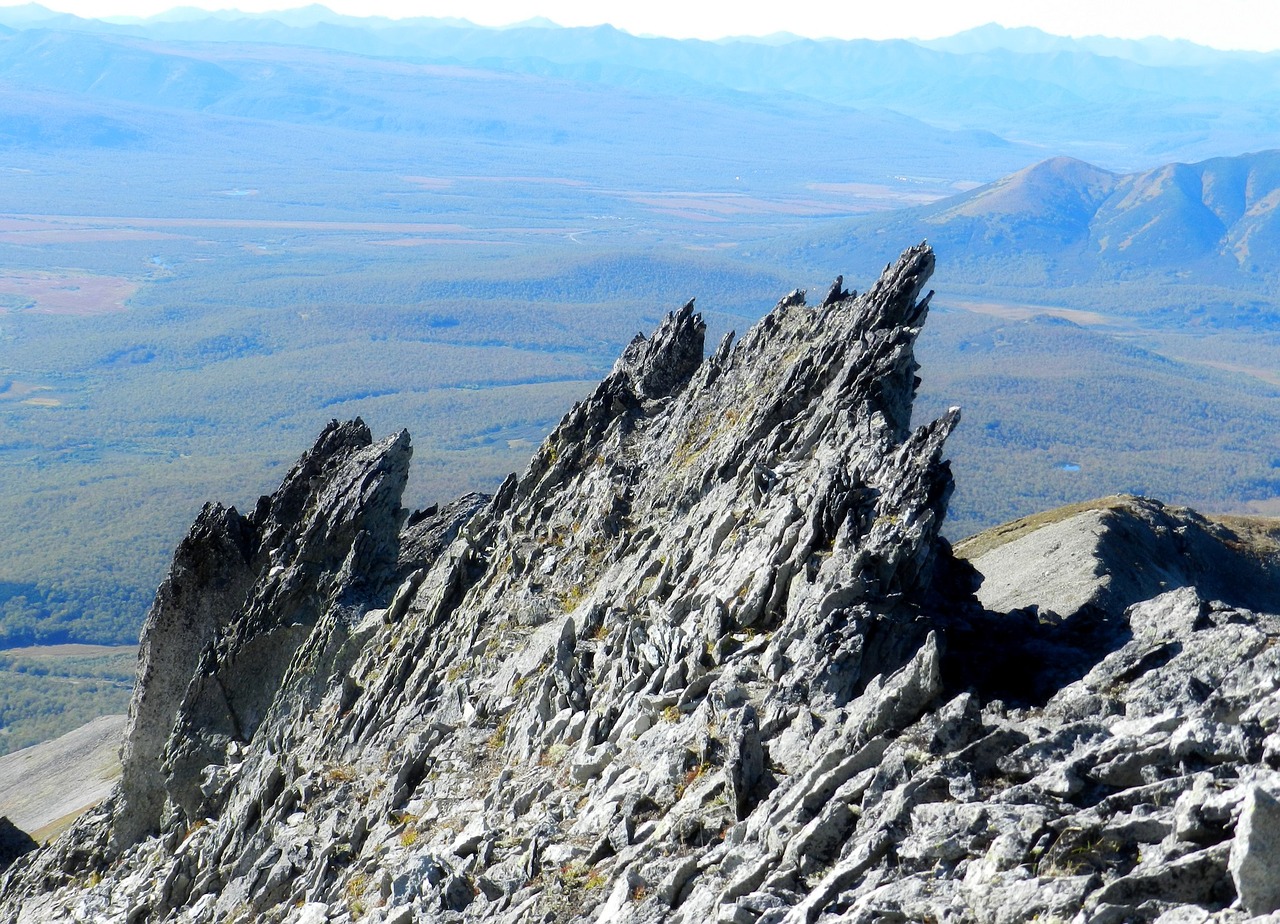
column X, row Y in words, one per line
column 706, row 660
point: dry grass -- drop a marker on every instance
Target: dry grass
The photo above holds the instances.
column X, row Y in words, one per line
column 498, row 740
column 51, row 831
column 987, row 540
column 61, row 652
column 336, row 774
column 353, row 893
column 1257, row 536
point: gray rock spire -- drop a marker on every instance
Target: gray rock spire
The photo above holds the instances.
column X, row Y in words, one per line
column 707, row 659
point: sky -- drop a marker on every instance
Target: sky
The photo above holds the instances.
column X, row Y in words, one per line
column 1232, row 24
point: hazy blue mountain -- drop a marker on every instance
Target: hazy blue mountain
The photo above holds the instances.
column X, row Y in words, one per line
column 1222, row 210
column 1153, row 50
column 29, row 14
column 33, row 121
column 582, row 125
column 1124, row 104
column 122, row 70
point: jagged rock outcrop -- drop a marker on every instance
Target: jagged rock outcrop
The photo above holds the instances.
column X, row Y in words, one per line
column 1057, row 585
column 208, row 581
column 708, row 659
column 242, row 595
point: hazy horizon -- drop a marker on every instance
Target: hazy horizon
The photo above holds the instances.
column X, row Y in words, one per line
column 1238, row 25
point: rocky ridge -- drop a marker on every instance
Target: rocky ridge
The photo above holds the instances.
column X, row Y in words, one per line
column 708, row 659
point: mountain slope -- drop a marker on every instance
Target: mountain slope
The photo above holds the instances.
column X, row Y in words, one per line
column 1157, row 221
column 682, row 509
column 1047, row 205
column 46, row 785
column 1062, row 223
column 707, row 659
column 248, row 78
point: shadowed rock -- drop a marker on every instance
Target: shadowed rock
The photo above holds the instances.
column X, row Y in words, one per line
column 206, row 585
column 14, row 843
column 1108, row 554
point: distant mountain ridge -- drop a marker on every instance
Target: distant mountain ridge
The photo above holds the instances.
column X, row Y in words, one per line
column 1220, row 208
column 1127, row 103
column 1214, row 223
column 249, row 70
column 1153, row 50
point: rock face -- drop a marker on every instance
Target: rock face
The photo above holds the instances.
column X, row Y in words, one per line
column 708, row 659
column 1113, row 552
column 243, row 594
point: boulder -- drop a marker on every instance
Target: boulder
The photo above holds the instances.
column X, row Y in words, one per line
column 1255, row 853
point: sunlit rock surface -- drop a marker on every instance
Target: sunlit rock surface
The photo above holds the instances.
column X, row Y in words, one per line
column 708, row 659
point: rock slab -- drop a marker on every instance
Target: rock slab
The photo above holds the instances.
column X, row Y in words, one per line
column 1255, row 852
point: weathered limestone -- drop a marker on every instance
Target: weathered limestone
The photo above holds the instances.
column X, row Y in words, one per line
column 1116, row 551
column 200, row 665
column 206, row 586
column 1255, row 852
column 706, row 660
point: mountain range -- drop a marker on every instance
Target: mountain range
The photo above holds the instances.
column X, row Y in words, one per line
column 1126, row 104
column 1177, row 218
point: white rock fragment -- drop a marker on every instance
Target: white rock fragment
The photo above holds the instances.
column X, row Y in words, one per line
column 1255, row 853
